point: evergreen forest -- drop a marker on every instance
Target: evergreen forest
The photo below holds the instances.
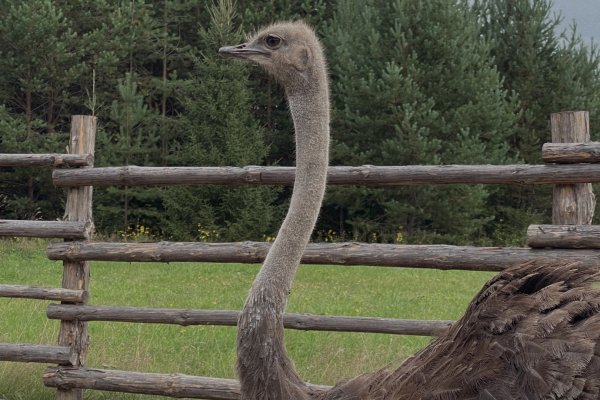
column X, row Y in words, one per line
column 413, row 82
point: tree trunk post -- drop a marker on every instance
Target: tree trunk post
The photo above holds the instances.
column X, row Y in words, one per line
column 76, row 274
column 572, row 204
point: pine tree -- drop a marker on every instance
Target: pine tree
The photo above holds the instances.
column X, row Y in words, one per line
column 544, row 73
column 39, row 60
column 413, row 84
column 139, row 114
column 219, row 129
column 126, row 140
column 16, row 202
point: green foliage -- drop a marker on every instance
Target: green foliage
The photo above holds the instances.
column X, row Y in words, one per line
column 39, row 52
column 25, row 193
column 125, row 141
column 219, row 130
column 544, row 73
column 38, row 60
column 413, row 82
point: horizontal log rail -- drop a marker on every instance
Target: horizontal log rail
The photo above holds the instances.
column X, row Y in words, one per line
column 564, row 236
column 46, row 160
column 37, row 353
column 569, row 153
column 363, row 175
column 46, row 229
column 172, row 385
column 43, row 293
column 444, row 257
column 305, row 322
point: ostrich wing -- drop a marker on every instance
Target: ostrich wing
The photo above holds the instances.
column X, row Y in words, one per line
column 532, row 333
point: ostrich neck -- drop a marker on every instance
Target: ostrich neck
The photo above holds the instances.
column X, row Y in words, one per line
column 310, row 112
column 264, row 369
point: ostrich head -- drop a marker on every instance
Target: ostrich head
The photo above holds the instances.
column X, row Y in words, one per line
column 289, row 51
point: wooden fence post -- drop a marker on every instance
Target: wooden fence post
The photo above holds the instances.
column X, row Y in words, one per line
column 572, row 204
column 76, row 274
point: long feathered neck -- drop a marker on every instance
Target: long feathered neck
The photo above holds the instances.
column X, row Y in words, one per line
column 265, row 370
column 311, row 122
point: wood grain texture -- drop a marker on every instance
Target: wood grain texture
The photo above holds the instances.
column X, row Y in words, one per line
column 443, row 257
column 564, row 236
column 574, row 203
column 76, row 274
column 46, row 229
column 306, row 322
column 172, row 385
column 569, row 153
column 37, row 353
column 43, row 293
column 367, row 175
column 46, row 160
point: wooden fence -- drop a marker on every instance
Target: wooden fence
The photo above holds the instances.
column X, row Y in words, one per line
column 570, row 167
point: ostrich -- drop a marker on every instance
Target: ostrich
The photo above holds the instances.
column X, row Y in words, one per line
column 532, row 331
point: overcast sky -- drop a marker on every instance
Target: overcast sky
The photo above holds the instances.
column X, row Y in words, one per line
column 586, row 14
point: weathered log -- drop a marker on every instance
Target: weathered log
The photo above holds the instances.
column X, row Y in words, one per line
column 305, row 322
column 76, row 274
column 574, row 203
column 46, row 229
column 385, row 255
column 363, row 175
column 43, row 293
column 46, row 160
column 37, row 353
column 172, row 385
column 571, row 153
column 564, row 236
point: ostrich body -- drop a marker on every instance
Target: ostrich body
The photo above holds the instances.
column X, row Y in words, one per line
column 531, row 333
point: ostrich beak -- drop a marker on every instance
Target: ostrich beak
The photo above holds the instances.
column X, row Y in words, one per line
column 243, row 51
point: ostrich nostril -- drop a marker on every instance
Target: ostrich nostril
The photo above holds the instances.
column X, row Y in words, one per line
column 232, row 50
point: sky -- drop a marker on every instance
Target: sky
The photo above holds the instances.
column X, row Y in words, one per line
column 586, row 14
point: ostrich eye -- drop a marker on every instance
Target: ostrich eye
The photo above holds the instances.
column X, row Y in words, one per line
column 272, row 41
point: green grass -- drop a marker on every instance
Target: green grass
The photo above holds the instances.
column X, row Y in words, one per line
column 321, row 357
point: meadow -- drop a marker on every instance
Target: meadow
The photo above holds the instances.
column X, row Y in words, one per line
column 321, row 357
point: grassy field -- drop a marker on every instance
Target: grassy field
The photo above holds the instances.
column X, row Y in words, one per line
column 321, row 357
